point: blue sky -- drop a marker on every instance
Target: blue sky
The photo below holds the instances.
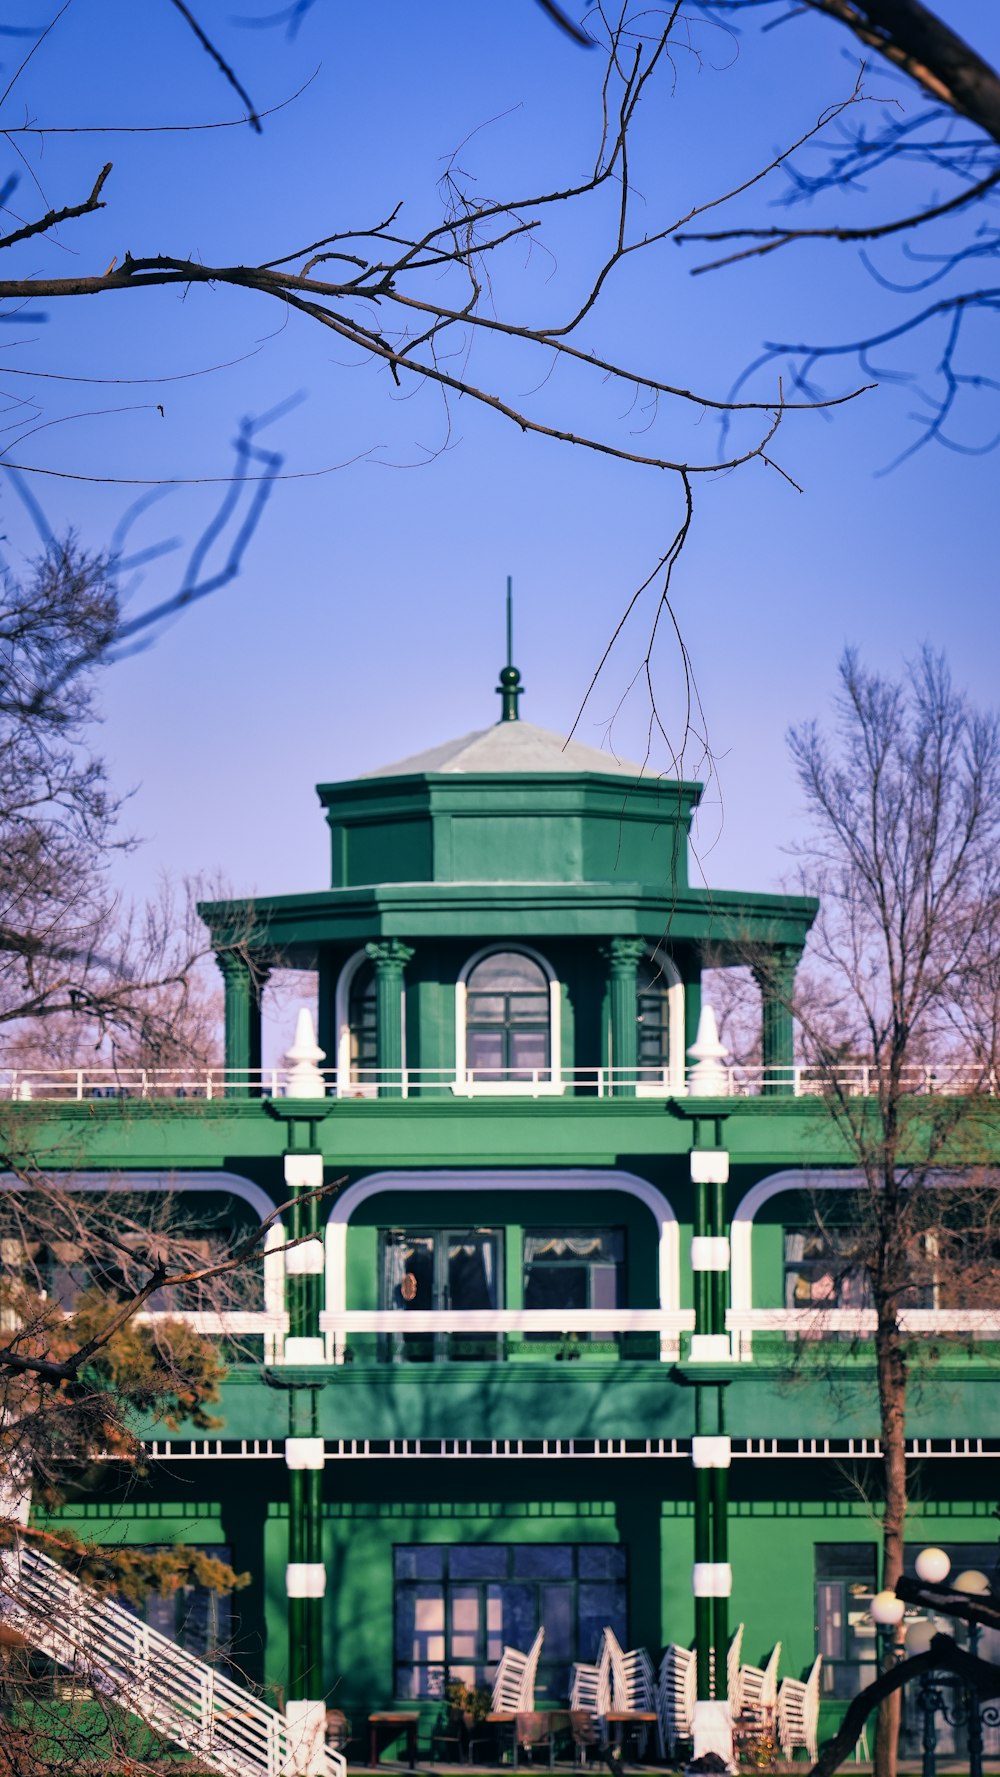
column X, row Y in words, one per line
column 368, row 622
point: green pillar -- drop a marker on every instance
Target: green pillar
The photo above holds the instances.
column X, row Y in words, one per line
column 691, row 976
column 306, row 1581
column 244, row 985
column 775, row 976
column 624, row 956
column 390, row 958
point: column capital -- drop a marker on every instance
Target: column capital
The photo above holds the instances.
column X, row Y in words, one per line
column 390, row 955
column 773, row 967
column 625, row 954
column 236, row 965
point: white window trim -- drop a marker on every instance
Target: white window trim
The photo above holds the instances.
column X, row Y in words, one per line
column 509, row 1088
column 742, row 1317
column 273, row 1321
column 346, row 1087
column 537, row 1179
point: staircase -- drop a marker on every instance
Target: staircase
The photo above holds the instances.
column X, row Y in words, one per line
column 173, row 1692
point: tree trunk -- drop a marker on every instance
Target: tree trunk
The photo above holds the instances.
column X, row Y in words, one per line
column 891, row 1368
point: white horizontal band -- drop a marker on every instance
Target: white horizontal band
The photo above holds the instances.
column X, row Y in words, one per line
column 709, row 1166
column 709, row 1252
column 710, row 1452
column 304, row 1351
column 305, row 1260
column 305, row 1453
column 711, row 1579
column 706, row 1348
column 304, row 1172
column 305, row 1579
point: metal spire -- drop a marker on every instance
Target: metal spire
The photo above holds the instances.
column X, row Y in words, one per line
column 510, row 687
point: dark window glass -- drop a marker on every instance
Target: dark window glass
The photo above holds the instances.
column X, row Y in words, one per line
column 491, row 1596
column 436, row 1269
column 363, row 1023
column 822, row 1269
column 194, row 1618
column 582, row 1269
column 507, row 1018
column 652, row 1011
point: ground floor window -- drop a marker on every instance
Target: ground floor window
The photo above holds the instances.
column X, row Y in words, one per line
column 196, row 1619
column 458, row 1605
column 846, row 1580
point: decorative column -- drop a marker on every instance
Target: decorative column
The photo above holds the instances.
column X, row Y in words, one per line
column 712, row 1577
column 774, row 973
column 624, row 956
column 390, row 958
column 244, row 985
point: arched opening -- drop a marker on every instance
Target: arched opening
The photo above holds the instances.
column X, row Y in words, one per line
column 508, row 1019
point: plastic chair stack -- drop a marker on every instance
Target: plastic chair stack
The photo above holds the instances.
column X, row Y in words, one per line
column 514, row 1683
column 676, row 1691
column 798, row 1712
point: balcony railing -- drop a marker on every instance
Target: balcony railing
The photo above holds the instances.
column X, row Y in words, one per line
column 207, row 1084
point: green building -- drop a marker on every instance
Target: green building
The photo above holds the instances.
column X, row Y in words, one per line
column 563, row 1347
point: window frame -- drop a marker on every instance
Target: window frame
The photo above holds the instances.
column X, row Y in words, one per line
column 465, row 1084
column 484, row 1662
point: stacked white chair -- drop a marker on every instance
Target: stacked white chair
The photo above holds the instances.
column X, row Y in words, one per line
column 798, row 1713
column 758, row 1689
column 676, row 1691
column 514, row 1683
column 734, row 1673
column 590, row 1696
column 629, row 1677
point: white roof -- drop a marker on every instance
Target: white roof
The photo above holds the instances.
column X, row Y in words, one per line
column 509, row 747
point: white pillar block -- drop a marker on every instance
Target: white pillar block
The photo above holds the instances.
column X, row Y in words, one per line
column 305, row 1453
column 304, row 1171
column 712, row 1731
column 711, row 1452
column 305, row 1579
column 305, row 1260
column 709, row 1166
column 299, row 1350
column 712, row 1579
column 706, row 1348
column 709, row 1252
column 307, row 1734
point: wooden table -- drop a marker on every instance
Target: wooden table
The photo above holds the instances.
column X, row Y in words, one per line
column 401, row 1721
column 530, row 1728
column 621, row 1720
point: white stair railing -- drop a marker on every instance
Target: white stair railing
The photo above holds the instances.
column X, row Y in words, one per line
column 174, row 1692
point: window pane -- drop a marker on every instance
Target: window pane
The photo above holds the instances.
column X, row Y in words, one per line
column 598, row 1561
column 487, row 1008
column 477, row 1562
column 597, row 1605
column 484, row 1051
column 472, row 1272
column 506, row 971
column 528, row 1049
column 543, row 1561
column 412, row 1562
column 557, row 1620
column 520, row 1615
column 464, row 1622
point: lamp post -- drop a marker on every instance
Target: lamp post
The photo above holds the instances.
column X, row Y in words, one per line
column 959, row 1706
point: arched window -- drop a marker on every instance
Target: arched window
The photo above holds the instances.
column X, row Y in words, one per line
column 362, row 1022
column 507, row 1018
